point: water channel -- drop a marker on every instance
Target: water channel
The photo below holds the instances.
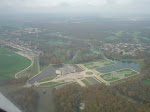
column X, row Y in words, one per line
column 119, row 65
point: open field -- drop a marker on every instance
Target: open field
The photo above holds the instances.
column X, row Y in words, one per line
column 11, row 63
column 4, row 77
column 12, row 24
column 92, row 81
column 52, row 84
column 49, row 84
column 89, row 73
column 111, row 38
column 47, row 79
column 34, row 68
column 119, row 74
column 86, row 82
column 99, row 64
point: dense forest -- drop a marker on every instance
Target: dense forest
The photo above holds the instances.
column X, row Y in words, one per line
column 73, row 52
column 25, row 98
column 68, row 42
column 129, row 96
column 99, row 98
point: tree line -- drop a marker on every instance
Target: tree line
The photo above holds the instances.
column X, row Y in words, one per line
column 97, row 98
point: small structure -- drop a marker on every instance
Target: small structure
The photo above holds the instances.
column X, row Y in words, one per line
column 82, row 106
column 65, row 70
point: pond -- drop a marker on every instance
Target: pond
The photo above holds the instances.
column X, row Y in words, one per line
column 119, row 65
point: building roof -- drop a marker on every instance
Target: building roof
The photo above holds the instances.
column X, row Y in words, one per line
column 7, row 105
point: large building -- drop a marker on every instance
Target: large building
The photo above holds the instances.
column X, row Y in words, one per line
column 65, row 70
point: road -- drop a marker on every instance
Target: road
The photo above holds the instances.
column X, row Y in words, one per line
column 45, row 101
column 95, row 73
column 38, row 64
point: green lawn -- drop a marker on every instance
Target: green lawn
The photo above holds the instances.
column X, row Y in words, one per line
column 59, row 84
column 56, row 43
column 12, row 24
column 34, row 69
column 86, row 82
column 111, row 38
column 4, row 77
column 89, row 73
column 52, row 34
column 52, row 84
column 47, row 79
column 11, row 63
column 43, row 67
column 120, row 74
column 118, row 33
column 49, row 84
column 92, row 81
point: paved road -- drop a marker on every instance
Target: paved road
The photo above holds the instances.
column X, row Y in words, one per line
column 38, row 64
column 46, row 103
column 95, row 73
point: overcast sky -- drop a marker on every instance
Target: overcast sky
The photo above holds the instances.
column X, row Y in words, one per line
column 107, row 7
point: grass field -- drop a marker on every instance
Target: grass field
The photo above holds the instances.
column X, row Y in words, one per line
column 89, row 73
column 34, row 69
column 48, row 79
column 119, row 74
column 92, row 81
column 12, row 24
column 49, row 84
column 4, row 77
column 86, row 82
column 11, row 63
column 99, row 64
column 52, row 84
column 111, row 38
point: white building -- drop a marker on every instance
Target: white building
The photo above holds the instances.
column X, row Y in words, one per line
column 65, row 70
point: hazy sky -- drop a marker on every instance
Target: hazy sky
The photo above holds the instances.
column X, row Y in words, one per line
column 108, row 7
